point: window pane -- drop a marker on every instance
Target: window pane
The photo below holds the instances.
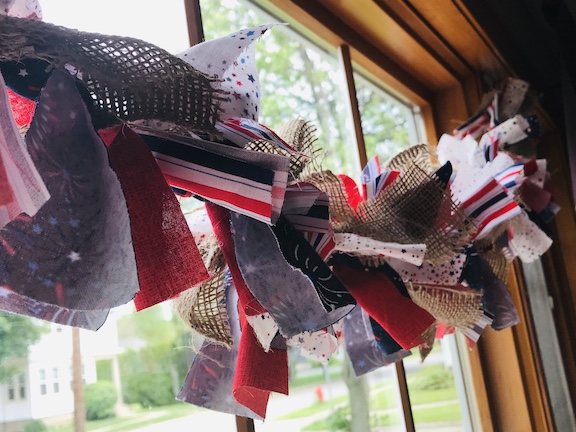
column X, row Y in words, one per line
column 42, row 374
column 298, row 80
column 42, row 389
column 388, row 125
column 433, row 391
column 22, row 386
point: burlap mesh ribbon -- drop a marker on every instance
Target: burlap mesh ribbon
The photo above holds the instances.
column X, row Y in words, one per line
column 203, row 308
column 415, row 209
column 127, row 78
column 300, row 135
column 460, row 308
column 499, row 263
column 419, row 154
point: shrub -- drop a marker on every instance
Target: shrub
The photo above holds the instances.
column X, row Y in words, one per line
column 339, row 420
column 434, row 379
column 149, row 389
column 100, row 398
column 35, row 426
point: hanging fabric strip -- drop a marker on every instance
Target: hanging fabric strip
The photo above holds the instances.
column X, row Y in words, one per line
column 475, row 126
column 307, row 208
column 209, row 381
column 365, row 246
column 257, row 372
column 529, row 241
column 167, row 257
column 248, row 182
column 318, row 345
column 232, row 59
column 300, row 254
column 489, row 206
column 23, row 182
column 398, row 315
column 76, row 251
column 473, row 333
column 497, row 300
column 361, row 346
column 22, row 108
column 374, row 180
column 384, row 341
column 242, row 131
column 446, row 274
column 510, row 177
column 16, row 303
column 284, row 291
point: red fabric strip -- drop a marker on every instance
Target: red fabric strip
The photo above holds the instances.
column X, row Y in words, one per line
column 257, row 372
column 399, row 316
column 243, row 203
column 22, row 108
column 167, row 257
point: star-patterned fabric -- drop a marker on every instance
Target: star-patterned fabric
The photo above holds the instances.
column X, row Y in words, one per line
column 232, row 58
column 76, row 251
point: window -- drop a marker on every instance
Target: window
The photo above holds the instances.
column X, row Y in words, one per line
column 43, row 386
column 306, row 83
column 11, row 392
column 22, row 386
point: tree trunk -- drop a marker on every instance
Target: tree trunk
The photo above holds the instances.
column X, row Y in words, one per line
column 78, row 385
column 359, row 394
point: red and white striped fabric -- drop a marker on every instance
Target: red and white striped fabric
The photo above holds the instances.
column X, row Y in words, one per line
column 307, row 208
column 247, row 182
column 509, row 178
column 22, row 188
column 489, row 206
column 374, row 180
column 474, row 126
column 490, row 147
column 473, row 333
column 242, row 131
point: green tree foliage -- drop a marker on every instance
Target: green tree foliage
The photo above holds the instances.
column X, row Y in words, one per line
column 149, row 389
column 17, row 333
column 100, row 398
column 165, row 356
column 35, row 426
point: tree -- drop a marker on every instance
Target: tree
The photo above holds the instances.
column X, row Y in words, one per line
column 164, row 352
column 17, row 333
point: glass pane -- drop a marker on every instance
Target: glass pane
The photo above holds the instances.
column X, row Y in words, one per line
column 433, row 391
column 298, row 80
column 388, row 125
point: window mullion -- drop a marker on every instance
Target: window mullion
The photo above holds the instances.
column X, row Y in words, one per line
column 194, row 21
column 353, row 103
column 404, row 396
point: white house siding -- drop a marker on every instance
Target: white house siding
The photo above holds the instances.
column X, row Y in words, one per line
column 54, row 352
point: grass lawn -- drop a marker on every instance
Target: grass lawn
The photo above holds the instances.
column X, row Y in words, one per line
column 442, row 413
column 142, row 417
column 385, row 398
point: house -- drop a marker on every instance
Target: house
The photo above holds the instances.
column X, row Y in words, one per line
column 42, row 390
